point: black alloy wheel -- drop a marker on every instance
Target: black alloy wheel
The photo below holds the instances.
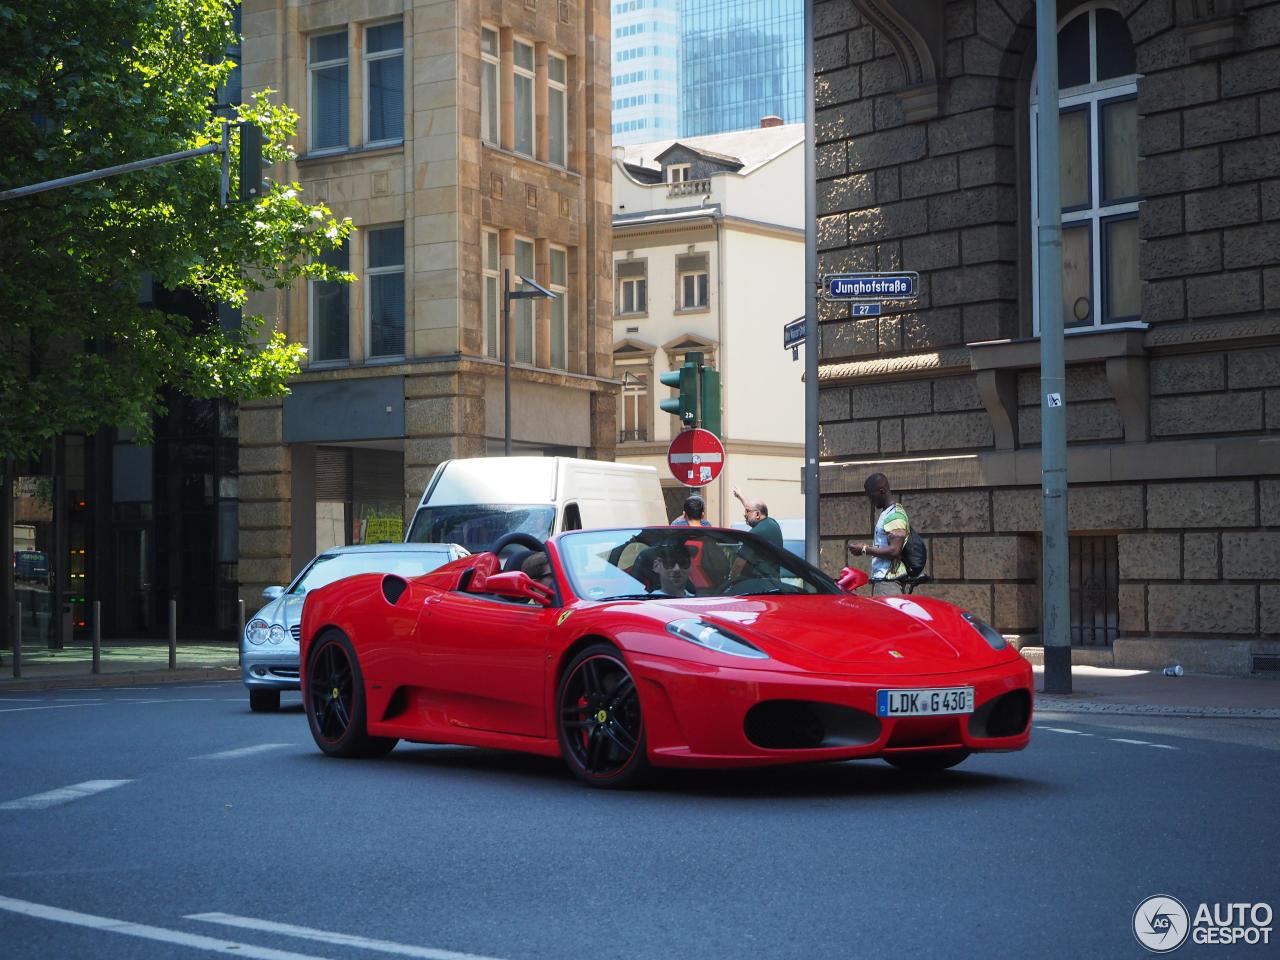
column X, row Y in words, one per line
column 600, row 724
column 927, row 762
column 335, row 701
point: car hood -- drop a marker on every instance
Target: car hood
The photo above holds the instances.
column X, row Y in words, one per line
column 885, row 634
column 285, row 610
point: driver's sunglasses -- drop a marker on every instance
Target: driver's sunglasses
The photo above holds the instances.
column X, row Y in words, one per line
column 683, row 562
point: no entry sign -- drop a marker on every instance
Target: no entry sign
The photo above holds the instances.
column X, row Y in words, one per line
column 696, row 457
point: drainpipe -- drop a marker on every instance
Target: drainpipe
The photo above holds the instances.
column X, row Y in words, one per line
column 812, row 503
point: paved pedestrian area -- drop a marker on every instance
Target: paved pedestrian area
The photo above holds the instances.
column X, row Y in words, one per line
column 121, row 662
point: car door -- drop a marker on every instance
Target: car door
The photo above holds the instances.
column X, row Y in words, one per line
column 485, row 661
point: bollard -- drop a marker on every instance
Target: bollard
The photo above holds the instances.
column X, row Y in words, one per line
column 97, row 636
column 17, row 646
column 173, row 634
column 240, row 637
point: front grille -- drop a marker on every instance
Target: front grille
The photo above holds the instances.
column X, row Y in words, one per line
column 296, row 631
column 284, row 673
column 805, row 725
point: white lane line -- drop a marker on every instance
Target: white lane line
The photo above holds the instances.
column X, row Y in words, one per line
column 52, row 798
column 56, row 706
column 1078, row 733
column 21, row 699
column 337, row 939
column 1142, row 743
column 109, row 925
column 241, row 752
column 77, row 699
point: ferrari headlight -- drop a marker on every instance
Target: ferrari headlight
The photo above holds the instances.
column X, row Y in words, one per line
column 277, row 634
column 714, row 638
column 257, row 631
column 989, row 633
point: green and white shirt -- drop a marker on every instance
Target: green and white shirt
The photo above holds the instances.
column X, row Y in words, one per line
column 893, row 520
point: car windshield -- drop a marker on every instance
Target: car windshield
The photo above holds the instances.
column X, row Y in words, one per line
column 328, row 567
column 477, row 525
column 665, row 562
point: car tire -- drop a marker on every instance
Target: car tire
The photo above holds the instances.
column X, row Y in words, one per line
column 934, row 761
column 335, row 700
column 599, row 720
column 264, row 701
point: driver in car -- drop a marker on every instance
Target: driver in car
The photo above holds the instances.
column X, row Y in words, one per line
column 672, row 567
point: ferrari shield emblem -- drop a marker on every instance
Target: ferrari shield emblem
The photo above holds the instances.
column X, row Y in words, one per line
column 895, row 654
column 563, row 617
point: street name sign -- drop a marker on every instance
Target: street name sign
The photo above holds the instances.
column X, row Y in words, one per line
column 877, row 287
column 695, row 457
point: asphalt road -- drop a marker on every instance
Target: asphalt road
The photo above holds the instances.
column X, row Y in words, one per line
column 194, row 827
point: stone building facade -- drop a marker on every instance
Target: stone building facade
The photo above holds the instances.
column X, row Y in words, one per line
column 1170, row 123
column 464, row 140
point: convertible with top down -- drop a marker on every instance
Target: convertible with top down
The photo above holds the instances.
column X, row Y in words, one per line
column 655, row 647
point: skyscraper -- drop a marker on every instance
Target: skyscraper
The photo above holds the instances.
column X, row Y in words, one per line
column 740, row 60
column 646, row 67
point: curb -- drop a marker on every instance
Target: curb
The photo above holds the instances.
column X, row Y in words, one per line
column 1055, row 704
column 71, row 681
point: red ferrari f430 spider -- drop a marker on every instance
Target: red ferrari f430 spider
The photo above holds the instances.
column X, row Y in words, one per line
column 624, row 650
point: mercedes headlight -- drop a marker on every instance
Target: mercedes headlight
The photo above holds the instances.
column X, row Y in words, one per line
column 257, row 631
column 714, row 638
column 989, row 633
column 277, row 634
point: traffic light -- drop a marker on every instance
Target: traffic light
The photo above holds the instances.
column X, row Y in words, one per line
column 710, row 399
column 250, row 161
column 685, row 404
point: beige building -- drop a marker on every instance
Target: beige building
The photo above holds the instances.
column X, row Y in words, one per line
column 708, row 236
column 464, row 140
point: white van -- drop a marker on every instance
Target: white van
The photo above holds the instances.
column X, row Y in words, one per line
column 477, row 500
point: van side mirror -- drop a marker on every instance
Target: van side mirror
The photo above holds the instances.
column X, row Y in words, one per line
column 519, row 586
column 852, row 578
column 272, row 593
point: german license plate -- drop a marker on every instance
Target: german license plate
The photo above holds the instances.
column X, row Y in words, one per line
column 924, row 703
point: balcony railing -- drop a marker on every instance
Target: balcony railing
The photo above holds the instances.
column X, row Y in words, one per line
column 689, row 188
column 631, row 435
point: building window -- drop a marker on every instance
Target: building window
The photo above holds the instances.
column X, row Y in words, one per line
column 633, row 402
column 523, row 309
column 559, row 285
column 557, row 110
column 384, row 82
column 633, row 287
column 678, row 172
column 1098, row 128
column 693, row 282
column 490, row 99
column 522, row 58
column 492, row 291
column 330, row 312
column 327, row 64
column 1094, row 592
column 385, row 272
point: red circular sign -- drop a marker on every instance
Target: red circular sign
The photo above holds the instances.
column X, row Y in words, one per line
column 696, row 457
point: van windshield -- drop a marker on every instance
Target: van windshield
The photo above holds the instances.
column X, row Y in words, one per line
column 477, row 525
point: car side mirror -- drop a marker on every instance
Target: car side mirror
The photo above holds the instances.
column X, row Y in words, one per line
column 272, row 593
column 519, row 586
column 852, row 578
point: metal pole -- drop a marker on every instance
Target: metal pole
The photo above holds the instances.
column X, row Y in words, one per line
column 17, row 644
column 812, row 501
column 240, row 635
column 173, row 634
column 97, row 637
column 105, row 172
column 1053, row 411
column 226, row 165
column 506, row 363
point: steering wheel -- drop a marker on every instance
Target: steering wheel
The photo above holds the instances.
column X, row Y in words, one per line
column 736, row 586
column 520, row 537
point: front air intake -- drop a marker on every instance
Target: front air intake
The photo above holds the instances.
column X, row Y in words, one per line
column 808, row 725
column 1005, row 716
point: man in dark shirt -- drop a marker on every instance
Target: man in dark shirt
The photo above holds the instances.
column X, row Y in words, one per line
column 756, row 513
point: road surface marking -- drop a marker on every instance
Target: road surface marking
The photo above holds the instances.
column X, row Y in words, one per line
column 52, row 798
column 241, row 752
column 108, row 925
column 1142, row 743
column 77, row 699
column 22, row 699
column 337, row 939
column 56, row 706
column 1078, row 733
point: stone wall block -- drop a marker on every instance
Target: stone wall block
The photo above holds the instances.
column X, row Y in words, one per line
column 260, row 425
column 1132, row 609
column 1269, row 597
column 848, row 439
column 1195, row 373
column 829, row 160
column 930, row 176
column 989, row 281
column 263, row 459
column 830, row 53
column 890, row 399
column 887, row 148
column 264, row 544
column 1251, row 73
column 979, row 206
column 1160, row 217
column 1240, row 292
column 1255, row 159
column 929, row 329
column 1085, row 422
column 1218, row 122
column 969, row 131
column 891, row 436
column 1174, row 89
column 1178, row 256
column 1178, row 172
column 834, row 17
column 268, row 515
column 845, row 121
column 974, row 597
column 990, row 165
column 853, row 339
column 1000, row 558
column 944, row 511
column 1104, row 508
column 1202, row 608
column 259, row 572
column 1269, row 495
column 994, row 241
column 1017, row 510
column 948, row 431
column 1150, row 556
column 833, row 404
column 1160, row 133
column 1253, row 368
column 932, row 252
column 956, row 393
column 1200, row 556
column 1179, row 416
column 888, row 222
column 1017, row 608
column 846, row 193
column 1164, row 300
column 1223, row 207
column 262, row 486
column 946, row 558
column 1251, row 246
column 847, row 516
column 1250, row 556
column 428, row 416
column 1216, row 505
column 833, row 231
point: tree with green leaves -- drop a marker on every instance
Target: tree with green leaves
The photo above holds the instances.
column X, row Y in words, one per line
column 89, row 84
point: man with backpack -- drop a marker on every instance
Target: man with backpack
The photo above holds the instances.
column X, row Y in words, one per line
column 885, row 549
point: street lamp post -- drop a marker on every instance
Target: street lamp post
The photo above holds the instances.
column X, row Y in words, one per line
column 538, row 293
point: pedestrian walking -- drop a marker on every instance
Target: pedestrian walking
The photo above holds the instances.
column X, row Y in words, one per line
column 694, row 515
column 885, row 549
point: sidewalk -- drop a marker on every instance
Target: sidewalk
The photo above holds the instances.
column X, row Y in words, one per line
column 123, row 663
column 1150, row 693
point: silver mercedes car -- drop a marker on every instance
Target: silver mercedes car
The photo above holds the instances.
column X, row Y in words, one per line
column 269, row 647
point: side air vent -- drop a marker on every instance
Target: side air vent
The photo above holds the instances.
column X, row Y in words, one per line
column 807, row 725
column 1005, row 716
column 393, row 587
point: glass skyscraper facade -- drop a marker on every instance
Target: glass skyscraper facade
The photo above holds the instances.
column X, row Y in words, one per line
column 740, row 60
column 646, row 70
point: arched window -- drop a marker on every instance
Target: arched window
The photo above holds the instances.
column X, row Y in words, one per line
column 1098, row 132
